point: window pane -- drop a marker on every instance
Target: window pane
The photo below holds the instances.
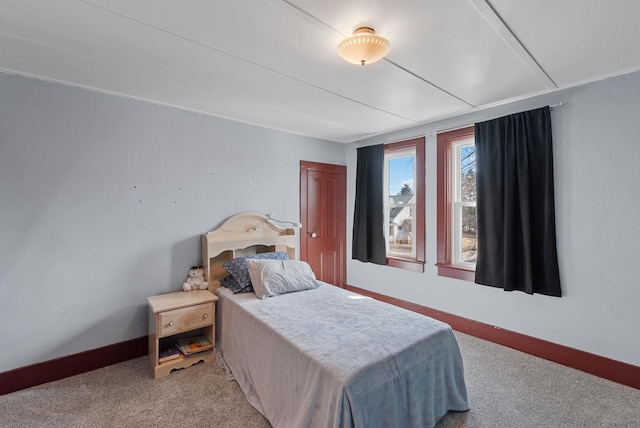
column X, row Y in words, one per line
column 400, row 230
column 401, row 176
column 468, row 225
column 468, row 173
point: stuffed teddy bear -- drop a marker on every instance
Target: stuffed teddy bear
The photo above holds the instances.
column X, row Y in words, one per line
column 195, row 280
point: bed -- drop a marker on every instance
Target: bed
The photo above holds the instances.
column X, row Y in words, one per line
column 326, row 357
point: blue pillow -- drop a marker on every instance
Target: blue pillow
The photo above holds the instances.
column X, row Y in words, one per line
column 237, row 268
column 233, row 285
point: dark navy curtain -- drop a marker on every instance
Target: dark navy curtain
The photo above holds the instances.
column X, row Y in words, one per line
column 515, row 204
column 368, row 217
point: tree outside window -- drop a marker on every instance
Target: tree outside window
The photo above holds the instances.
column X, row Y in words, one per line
column 456, row 204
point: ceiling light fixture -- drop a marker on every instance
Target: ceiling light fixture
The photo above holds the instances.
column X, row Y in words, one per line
column 364, row 47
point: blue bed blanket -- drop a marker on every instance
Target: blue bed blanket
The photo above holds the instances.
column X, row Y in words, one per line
column 331, row 358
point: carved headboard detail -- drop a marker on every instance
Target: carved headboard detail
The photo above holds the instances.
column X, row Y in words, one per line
column 242, row 234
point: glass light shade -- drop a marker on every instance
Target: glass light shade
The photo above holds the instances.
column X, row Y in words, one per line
column 364, row 47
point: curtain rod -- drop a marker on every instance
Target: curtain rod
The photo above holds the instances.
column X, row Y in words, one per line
column 432, row 133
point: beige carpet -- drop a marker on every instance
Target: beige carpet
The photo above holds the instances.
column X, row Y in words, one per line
column 506, row 388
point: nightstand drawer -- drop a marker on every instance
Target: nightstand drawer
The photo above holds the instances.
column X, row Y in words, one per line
column 184, row 319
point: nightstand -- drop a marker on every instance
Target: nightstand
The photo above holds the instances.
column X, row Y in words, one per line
column 178, row 315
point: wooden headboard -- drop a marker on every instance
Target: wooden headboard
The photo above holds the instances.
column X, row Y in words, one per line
column 240, row 235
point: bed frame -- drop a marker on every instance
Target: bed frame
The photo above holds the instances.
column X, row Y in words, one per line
column 279, row 356
column 240, row 235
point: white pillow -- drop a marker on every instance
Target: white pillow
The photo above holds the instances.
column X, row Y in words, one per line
column 273, row 277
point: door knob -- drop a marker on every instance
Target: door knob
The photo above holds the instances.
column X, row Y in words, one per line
column 313, row 235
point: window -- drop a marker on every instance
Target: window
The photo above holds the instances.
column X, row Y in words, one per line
column 457, row 204
column 404, row 204
column 464, row 203
column 400, row 206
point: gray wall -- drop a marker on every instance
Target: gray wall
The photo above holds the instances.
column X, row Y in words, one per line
column 597, row 155
column 103, row 200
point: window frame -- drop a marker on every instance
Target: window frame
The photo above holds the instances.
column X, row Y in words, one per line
column 396, row 154
column 458, row 204
column 445, row 204
column 416, row 263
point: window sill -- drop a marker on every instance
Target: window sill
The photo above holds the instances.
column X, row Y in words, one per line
column 406, row 264
column 457, row 272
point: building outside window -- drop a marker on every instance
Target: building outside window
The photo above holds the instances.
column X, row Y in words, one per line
column 404, row 204
column 400, row 202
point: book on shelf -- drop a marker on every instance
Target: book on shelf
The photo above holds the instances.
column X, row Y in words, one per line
column 193, row 345
column 167, row 354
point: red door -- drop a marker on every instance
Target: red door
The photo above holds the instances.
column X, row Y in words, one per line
column 323, row 195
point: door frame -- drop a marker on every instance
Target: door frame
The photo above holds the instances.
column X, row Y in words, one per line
column 305, row 167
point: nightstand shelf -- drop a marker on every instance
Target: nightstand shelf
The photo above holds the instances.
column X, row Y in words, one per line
column 177, row 315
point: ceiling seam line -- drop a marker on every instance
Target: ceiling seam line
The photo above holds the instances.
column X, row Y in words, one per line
column 497, row 23
column 116, row 65
column 386, row 59
column 299, row 9
column 248, row 61
column 430, row 83
column 138, row 70
column 153, row 102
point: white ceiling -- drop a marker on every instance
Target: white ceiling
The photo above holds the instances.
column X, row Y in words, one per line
column 274, row 63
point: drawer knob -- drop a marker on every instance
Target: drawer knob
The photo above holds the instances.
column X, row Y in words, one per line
column 205, row 316
column 171, row 323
